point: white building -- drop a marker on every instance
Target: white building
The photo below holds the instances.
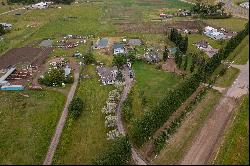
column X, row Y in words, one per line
column 245, row 5
column 214, row 33
column 41, row 5
column 118, row 48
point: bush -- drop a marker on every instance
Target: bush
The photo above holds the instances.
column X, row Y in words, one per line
column 55, row 77
column 118, row 153
column 76, row 107
column 119, row 60
column 89, row 58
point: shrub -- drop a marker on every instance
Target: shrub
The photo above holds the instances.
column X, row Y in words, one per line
column 76, row 107
column 118, row 153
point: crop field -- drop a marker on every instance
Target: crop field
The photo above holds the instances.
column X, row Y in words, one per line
column 235, row 148
column 82, row 139
column 27, row 125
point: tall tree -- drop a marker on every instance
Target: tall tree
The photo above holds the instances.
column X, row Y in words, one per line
column 185, row 62
column 165, row 54
column 2, row 31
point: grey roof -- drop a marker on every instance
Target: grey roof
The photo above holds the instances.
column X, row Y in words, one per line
column 134, row 42
column 7, row 74
column 202, row 43
column 152, row 56
column 107, row 73
column 46, row 43
column 103, row 42
column 118, row 45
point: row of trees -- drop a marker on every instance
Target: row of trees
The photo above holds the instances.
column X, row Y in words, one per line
column 180, row 41
column 146, row 125
column 117, row 153
column 207, row 10
column 36, row 1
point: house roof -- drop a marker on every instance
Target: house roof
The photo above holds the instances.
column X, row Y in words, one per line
column 202, row 43
column 107, row 73
column 134, row 42
column 103, row 42
column 118, row 46
column 152, row 56
column 46, row 43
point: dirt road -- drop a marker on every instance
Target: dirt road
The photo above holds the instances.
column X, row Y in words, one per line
column 204, row 143
column 128, row 84
column 21, row 8
column 60, row 125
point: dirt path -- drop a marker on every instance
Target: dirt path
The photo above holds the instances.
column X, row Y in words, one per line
column 60, row 125
column 128, row 84
column 21, row 8
column 208, row 137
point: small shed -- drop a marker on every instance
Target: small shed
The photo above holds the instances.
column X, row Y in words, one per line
column 67, row 71
column 46, row 43
column 118, row 48
column 134, row 42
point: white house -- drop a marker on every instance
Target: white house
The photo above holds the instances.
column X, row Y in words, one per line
column 214, row 33
column 118, row 48
column 41, row 5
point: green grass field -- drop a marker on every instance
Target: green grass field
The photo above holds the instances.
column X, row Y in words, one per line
column 232, row 24
column 227, row 79
column 83, row 138
column 27, row 125
column 241, row 54
column 177, row 146
column 235, row 148
column 155, row 83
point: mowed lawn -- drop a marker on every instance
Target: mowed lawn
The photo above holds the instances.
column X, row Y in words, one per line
column 27, row 125
column 235, row 148
column 179, row 143
column 153, row 82
column 241, row 54
column 83, row 138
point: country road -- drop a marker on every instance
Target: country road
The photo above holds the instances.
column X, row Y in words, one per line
column 21, row 8
column 60, row 125
column 205, row 142
column 128, row 84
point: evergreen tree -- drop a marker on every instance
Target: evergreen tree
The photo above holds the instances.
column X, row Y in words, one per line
column 165, row 54
column 2, row 31
column 185, row 63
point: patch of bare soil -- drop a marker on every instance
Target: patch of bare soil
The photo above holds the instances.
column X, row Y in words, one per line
column 171, row 66
column 159, row 27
